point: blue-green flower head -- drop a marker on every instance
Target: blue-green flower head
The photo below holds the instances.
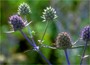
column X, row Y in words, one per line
column 24, row 9
column 49, row 14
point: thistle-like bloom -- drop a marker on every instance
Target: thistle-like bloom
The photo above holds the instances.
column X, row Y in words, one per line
column 23, row 9
column 85, row 35
column 17, row 22
column 63, row 40
column 49, row 14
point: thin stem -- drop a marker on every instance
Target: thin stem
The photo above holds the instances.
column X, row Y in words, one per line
column 44, row 57
column 26, row 38
column 25, row 20
column 80, row 46
column 76, row 41
column 29, row 31
column 45, row 31
column 67, row 57
column 83, row 52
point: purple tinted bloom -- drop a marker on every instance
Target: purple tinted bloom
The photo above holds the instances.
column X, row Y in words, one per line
column 63, row 40
column 85, row 35
column 17, row 22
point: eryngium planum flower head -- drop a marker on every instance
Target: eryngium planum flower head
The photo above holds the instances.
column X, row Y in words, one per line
column 16, row 22
column 85, row 35
column 23, row 9
column 63, row 40
column 49, row 14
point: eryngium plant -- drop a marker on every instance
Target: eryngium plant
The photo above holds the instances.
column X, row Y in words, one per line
column 24, row 9
column 18, row 24
column 49, row 14
column 63, row 41
column 85, row 35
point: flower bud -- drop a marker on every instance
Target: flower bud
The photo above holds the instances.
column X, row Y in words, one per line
column 23, row 9
column 63, row 40
column 17, row 22
column 49, row 14
column 85, row 35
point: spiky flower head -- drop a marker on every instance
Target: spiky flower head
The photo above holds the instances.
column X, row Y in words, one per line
column 17, row 22
column 49, row 14
column 63, row 40
column 85, row 35
column 24, row 9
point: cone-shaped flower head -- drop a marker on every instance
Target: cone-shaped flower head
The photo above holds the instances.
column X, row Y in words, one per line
column 17, row 22
column 49, row 14
column 85, row 35
column 23, row 9
column 63, row 40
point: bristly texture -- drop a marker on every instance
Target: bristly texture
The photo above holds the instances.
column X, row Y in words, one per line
column 23, row 9
column 17, row 22
column 85, row 35
column 63, row 40
column 49, row 14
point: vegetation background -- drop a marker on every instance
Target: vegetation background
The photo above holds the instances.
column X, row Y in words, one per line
column 73, row 15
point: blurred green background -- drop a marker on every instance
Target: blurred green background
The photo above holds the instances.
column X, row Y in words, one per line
column 73, row 15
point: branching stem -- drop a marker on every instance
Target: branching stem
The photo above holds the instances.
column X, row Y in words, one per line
column 35, row 47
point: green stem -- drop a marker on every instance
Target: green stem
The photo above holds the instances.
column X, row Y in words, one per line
column 29, row 31
column 83, row 52
column 45, row 31
column 80, row 46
